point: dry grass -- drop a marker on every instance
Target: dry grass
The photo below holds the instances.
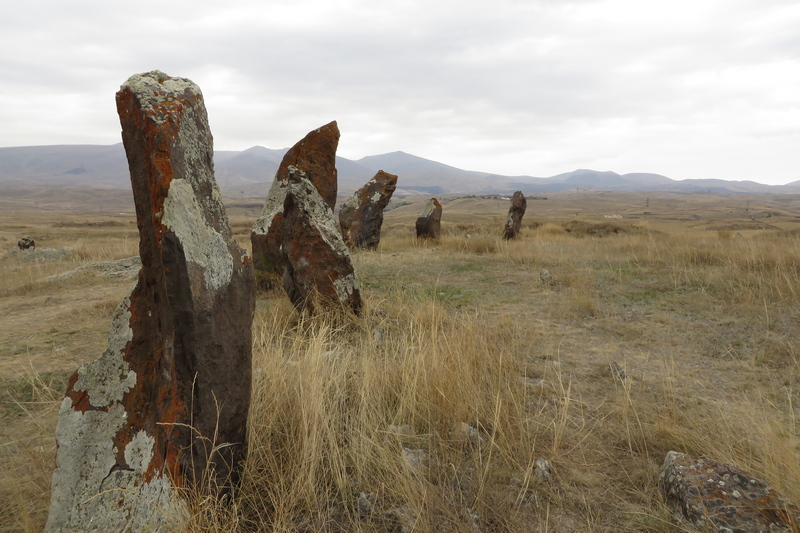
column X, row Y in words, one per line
column 463, row 333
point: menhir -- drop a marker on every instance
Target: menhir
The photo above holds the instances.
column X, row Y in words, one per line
column 429, row 223
column 515, row 214
column 361, row 216
column 319, row 272
column 165, row 406
column 315, row 155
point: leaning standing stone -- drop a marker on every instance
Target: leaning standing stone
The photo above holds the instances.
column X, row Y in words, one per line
column 515, row 214
column 165, row 406
column 319, row 270
column 430, row 221
column 315, row 155
column 361, row 216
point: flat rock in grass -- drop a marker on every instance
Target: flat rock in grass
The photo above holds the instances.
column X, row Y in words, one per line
column 721, row 496
column 315, row 155
column 515, row 214
column 165, row 406
column 429, row 223
column 361, row 216
column 319, row 272
column 41, row 255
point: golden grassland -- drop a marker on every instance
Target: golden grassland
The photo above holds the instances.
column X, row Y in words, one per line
column 695, row 297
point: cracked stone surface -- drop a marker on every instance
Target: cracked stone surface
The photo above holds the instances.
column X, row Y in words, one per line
column 315, row 155
column 179, row 346
column 319, row 269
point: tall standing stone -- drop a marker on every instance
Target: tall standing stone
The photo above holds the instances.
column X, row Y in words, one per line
column 315, row 155
column 319, row 271
column 429, row 222
column 515, row 214
column 361, row 216
column 165, row 406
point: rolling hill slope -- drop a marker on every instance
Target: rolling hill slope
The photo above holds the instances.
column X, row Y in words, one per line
column 248, row 173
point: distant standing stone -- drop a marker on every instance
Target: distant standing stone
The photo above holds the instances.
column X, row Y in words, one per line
column 361, row 216
column 319, row 271
column 515, row 214
column 722, row 496
column 315, row 155
column 430, row 221
column 26, row 243
column 166, row 404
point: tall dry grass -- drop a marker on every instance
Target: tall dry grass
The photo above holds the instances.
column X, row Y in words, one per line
column 429, row 413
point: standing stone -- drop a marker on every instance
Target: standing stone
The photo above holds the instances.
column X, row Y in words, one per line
column 315, row 155
column 361, row 216
column 26, row 243
column 429, row 223
column 319, row 270
column 515, row 214
column 165, row 406
column 714, row 494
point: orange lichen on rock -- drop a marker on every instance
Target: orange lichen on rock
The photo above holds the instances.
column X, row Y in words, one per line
column 725, row 497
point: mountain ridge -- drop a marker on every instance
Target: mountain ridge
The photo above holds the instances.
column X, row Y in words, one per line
column 249, row 173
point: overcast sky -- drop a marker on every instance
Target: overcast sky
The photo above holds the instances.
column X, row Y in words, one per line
column 686, row 88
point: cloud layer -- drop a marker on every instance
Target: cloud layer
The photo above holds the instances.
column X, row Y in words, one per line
column 688, row 89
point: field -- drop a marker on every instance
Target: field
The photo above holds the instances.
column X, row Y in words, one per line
column 664, row 321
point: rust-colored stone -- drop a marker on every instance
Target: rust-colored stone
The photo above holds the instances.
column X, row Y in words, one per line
column 315, row 155
column 166, row 404
column 515, row 214
column 319, row 271
column 361, row 216
column 430, row 221
column 722, row 496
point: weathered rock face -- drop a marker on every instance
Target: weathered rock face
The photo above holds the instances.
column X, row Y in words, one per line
column 319, row 271
column 26, row 243
column 429, row 222
column 315, row 155
column 179, row 348
column 361, row 216
column 722, row 496
column 515, row 214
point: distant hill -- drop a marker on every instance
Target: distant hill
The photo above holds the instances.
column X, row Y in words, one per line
column 249, row 173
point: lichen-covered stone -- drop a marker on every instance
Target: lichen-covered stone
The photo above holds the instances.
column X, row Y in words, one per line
column 166, row 404
column 730, row 500
column 26, row 243
column 515, row 214
column 319, row 270
column 430, row 221
column 315, row 155
column 361, row 216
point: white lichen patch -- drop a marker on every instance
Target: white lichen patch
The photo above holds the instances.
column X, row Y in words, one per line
column 202, row 245
column 86, row 454
column 346, row 286
column 375, row 197
column 272, row 206
column 108, row 378
column 139, row 451
column 429, row 209
column 351, row 203
column 90, row 492
column 320, row 214
column 154, row 89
